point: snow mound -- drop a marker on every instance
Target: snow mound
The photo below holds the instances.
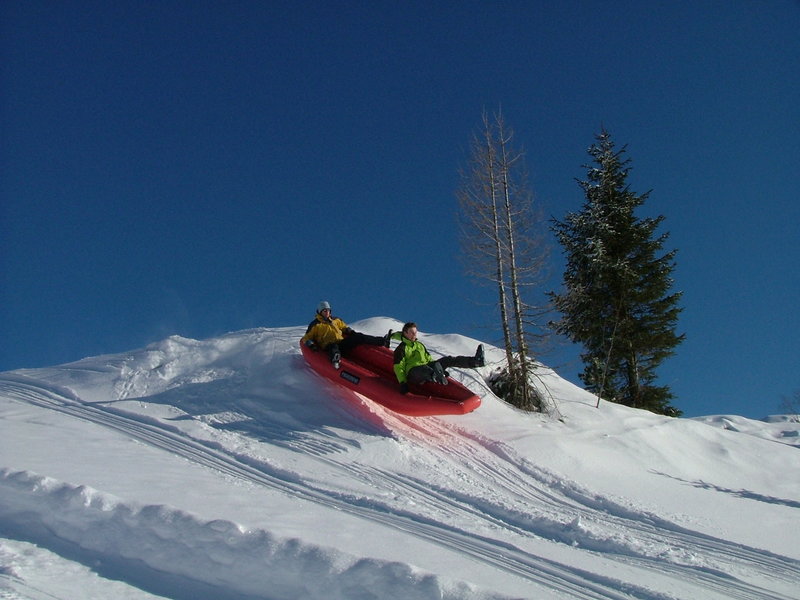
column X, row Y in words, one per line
column 218, row 553
column 227, row 469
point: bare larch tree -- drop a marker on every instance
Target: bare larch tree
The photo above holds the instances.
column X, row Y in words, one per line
column 502, row 247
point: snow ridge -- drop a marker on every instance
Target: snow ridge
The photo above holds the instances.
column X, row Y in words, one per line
column 223, row 554
column 225, row 468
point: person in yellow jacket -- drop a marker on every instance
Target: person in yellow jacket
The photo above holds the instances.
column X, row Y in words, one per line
column 331, row 334
column 414, row 365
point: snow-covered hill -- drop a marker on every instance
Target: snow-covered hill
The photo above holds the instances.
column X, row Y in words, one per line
column 226, row 469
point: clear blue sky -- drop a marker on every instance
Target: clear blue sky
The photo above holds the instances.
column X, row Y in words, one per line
column 200, row 167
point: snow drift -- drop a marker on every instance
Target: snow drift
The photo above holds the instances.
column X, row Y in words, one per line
column 227, row 469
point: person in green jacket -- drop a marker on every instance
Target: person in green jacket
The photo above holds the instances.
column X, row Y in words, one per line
column 413, row 365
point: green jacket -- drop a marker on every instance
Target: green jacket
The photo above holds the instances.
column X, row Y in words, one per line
column 408, row 355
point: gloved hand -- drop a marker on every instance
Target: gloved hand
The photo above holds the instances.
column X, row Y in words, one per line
column 404, row 388
column 311, row 344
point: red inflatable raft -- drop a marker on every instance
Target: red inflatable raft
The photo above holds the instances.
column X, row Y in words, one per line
column 368, row 371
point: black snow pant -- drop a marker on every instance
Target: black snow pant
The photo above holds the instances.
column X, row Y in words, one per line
column 351, row 341
column 435, row 370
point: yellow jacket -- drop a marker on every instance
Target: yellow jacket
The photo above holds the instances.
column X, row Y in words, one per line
column 324, row 331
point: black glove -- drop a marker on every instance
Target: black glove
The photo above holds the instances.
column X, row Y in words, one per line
column 311, row 344
column 403, row 388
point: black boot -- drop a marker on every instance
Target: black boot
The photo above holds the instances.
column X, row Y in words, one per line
column 480, row 360
column 439, row 375
column 335, row 354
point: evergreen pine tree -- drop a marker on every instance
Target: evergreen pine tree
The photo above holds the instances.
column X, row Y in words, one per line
column 617, row 302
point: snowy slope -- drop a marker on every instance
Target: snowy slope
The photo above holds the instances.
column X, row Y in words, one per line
column 226, row 469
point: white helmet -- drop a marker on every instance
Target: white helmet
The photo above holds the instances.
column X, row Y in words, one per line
column 322, row 306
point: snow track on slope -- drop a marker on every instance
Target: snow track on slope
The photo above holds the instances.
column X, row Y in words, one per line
column 597, row 523
column 571, row 581
column 543, row 508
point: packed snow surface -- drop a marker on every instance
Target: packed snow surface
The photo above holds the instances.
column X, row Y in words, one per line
column 226, row 469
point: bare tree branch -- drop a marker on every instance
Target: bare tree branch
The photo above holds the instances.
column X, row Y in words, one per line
column 501, row 247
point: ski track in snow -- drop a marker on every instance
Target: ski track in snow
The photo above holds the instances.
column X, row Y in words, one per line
column 544, row 507
column 536, row 488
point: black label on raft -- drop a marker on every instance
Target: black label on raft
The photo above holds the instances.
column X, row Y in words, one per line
column 350, row 377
